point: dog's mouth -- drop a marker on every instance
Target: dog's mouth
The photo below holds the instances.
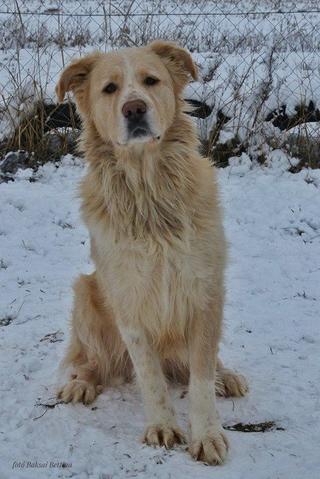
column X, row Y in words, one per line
column 141, row 133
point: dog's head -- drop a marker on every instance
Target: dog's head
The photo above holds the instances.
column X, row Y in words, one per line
column 130, row 95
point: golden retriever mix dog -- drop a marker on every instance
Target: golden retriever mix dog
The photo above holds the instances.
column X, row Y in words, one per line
column 155, row 301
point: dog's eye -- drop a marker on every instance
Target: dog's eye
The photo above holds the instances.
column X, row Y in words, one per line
column 151, row 81
column 110, row 88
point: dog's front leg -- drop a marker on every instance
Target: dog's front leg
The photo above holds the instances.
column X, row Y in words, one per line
column 162, row 429
column 209, row 443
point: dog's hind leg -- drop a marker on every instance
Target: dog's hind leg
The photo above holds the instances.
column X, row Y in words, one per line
column 229, row 383
column 96, row 354
column 83, row 385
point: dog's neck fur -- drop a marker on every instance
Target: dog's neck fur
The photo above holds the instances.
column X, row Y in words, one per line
column 142, row 192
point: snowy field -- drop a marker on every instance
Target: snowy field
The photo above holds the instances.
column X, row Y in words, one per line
column 271, row 335
column 252, row 55
column 250, row 65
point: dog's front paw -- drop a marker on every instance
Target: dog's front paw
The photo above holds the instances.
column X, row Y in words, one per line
column 79, row 390
column 163, row 435
column 212, row 448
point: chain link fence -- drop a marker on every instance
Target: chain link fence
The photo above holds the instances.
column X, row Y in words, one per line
column 258, row 60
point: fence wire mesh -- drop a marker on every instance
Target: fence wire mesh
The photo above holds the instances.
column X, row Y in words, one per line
column 257, row 59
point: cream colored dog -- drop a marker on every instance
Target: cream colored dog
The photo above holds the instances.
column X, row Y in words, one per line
column 149, row 200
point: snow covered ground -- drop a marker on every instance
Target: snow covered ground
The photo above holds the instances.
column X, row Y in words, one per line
column 254, row 55
column 272, row 334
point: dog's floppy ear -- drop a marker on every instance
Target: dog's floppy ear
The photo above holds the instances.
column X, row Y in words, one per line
column 74, row 76
column 177, row 59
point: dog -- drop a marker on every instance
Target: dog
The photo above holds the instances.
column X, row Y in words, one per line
column 154, row 305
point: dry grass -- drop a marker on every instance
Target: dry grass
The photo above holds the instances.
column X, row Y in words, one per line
column 26, row 109
column 37, row 139
column 255, row 427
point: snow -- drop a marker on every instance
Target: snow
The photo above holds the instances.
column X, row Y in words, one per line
column 272, row 223
column 272, row 334
column 233, row 48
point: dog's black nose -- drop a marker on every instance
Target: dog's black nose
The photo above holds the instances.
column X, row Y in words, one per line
column 134, row 110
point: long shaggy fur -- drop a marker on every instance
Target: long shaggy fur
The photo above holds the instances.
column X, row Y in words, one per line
column 157, row 242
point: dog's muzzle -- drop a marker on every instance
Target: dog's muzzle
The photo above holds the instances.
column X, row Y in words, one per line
column 135, row 113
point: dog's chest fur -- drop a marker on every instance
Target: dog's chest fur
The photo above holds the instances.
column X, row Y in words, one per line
column 151, row 255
